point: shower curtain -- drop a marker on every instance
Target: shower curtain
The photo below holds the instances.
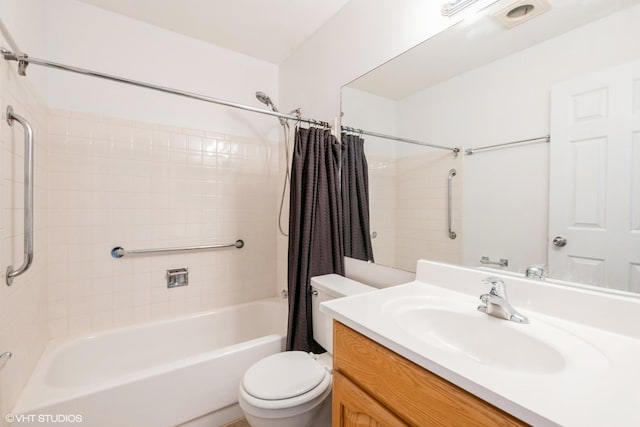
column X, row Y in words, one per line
column 355, row 199
column 315, row 227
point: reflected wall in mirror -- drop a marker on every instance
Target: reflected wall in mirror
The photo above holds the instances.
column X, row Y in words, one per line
column 573, row 73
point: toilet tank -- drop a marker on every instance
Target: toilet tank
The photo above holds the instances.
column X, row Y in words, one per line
column 326, row 288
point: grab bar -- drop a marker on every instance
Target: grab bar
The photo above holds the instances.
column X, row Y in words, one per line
column 28, row 196
column 119, row 252
column 452, row 173
column 487, row 261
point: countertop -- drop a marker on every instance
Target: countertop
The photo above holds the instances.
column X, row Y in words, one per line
column 598, row 384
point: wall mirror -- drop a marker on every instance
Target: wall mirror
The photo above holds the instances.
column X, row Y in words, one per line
column 568, row 206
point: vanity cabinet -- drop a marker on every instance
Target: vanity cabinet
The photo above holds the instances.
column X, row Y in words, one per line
column 373, row 386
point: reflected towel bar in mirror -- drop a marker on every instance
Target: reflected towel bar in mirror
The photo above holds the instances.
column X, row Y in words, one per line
column 487, row 261
column 452, row 173
column 119, row 252
column 470, row 151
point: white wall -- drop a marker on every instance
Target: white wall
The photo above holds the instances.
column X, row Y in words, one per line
column 138, row 168
column 117, row 182
column 363, row 35
column 89, row 37
column 23, row 306
column 506, row 191
column 25, row 20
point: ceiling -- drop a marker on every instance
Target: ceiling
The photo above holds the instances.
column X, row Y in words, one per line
column 268, row 30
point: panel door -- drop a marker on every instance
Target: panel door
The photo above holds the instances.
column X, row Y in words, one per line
column 594, row 177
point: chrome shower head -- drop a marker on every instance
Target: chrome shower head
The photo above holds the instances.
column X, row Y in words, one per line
column 264, row 98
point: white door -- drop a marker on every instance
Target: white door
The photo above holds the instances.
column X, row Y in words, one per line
column 594, row 174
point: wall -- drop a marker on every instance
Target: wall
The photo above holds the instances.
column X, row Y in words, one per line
column 157, row 170
column 139, row 185
column 23, row 306
column 506, row 191
column 26, row 21
column 421, row 201
column 119, row 45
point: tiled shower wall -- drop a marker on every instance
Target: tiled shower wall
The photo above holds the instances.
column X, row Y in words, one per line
column 382, row 208
column 140, row 185
column 23, row 306
column 408, row 198
column 421, row 202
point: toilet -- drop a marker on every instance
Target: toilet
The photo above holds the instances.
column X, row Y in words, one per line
column 293, row 389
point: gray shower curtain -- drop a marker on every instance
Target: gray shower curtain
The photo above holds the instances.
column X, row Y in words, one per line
column 355, row 199
column 315, row 227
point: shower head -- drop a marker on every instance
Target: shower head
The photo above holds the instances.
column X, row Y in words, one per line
column 264, row 98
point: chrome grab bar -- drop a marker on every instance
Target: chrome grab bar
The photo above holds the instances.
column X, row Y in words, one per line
column 28, row 196
column 487, row 261
column 452, row 173
column 119, row 252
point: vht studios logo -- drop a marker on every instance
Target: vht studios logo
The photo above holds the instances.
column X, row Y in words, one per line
column 43, row 418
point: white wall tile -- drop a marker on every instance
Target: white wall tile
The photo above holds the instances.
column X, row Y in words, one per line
column 25, row 321
column 152, row 186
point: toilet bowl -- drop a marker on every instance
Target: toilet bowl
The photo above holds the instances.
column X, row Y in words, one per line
column 293, row 389
column 288, row 389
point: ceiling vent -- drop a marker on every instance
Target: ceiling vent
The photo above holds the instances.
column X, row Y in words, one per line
column 521, row 11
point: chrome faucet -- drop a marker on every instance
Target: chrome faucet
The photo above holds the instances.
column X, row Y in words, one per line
column 496, row 304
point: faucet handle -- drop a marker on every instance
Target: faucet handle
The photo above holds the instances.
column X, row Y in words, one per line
column 537, row 271
column 498, row 288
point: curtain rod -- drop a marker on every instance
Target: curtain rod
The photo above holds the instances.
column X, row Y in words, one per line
column 25, row 60
column 455, row 150
column 470, row 151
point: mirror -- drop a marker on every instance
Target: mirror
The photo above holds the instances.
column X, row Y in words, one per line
column 568, row 207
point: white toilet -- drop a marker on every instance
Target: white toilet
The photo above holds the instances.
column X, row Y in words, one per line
column 293, row 389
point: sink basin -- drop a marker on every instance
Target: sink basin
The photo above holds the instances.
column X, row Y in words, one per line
column 481, row 339
column 459, row 330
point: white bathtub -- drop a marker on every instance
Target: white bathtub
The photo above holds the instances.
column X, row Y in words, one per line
column 156, row 374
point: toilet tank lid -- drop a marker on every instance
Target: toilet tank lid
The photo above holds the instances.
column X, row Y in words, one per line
column 338, row 286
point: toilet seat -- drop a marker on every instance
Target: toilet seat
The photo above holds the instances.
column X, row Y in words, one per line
column 285, row 380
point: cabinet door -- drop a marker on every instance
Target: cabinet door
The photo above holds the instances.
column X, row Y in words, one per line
column 352, row 407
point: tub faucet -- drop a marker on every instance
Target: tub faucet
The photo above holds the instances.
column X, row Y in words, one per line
column 495, row 302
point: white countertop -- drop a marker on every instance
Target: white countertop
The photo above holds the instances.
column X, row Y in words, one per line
column 598, row 385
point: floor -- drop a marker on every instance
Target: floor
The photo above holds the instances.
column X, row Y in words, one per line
column 238, row 423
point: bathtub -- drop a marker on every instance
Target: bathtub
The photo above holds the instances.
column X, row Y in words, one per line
column 164, row 373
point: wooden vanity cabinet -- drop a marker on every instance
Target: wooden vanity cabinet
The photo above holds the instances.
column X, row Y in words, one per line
column 373, row 386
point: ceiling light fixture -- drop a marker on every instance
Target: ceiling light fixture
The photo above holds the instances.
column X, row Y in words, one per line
column 451, row 7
